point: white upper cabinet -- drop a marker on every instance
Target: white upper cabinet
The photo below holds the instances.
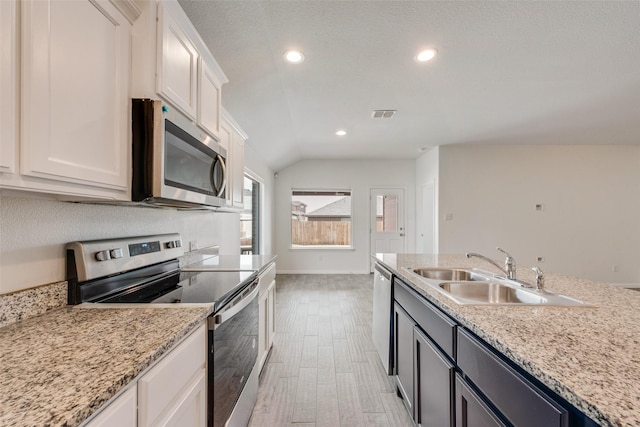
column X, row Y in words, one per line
column 209, row 98
column 237, row 170
column 75, row 114
column 232, row 138
column 177, row 61
column 167, row 49
column 225, row 142
column 8, row 86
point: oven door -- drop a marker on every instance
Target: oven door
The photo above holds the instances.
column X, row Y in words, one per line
column 233, row 353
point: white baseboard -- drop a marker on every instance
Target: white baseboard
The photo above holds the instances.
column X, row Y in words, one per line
column 322, row 272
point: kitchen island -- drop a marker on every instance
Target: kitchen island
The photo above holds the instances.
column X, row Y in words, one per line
column 589, row 356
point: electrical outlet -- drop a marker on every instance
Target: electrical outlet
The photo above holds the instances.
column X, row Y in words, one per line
column 448, row 216
column 540, row 259
column 539, row 207
column 193, row 245
column 615, row 268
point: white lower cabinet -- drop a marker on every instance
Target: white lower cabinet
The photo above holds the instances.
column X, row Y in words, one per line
column 173, row 392
column 171, row 387
column 122, row 412
column 267, row 313
column 191, row 407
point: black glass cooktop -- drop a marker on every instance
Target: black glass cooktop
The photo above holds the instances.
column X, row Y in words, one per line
column 187, row 287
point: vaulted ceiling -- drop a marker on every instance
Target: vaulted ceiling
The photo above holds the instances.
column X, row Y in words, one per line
column 515, row 72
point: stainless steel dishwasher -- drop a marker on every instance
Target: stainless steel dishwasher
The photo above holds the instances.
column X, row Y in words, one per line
column 382, row 308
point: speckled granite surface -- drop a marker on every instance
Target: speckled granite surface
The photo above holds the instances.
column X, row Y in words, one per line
column 31, row 302
column 59, row 368
column 589, row 356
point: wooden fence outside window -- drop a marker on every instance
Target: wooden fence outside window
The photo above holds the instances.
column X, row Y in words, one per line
column 321, row 233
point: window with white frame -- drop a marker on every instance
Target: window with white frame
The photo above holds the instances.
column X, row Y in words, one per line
column 321, row 219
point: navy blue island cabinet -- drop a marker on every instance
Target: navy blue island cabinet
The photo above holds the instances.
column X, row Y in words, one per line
column 449, row 377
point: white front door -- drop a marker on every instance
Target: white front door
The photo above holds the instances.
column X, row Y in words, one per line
column 387, row 221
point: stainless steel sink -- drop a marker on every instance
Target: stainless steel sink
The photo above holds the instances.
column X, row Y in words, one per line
column 470, row 286
column 492, row 293
column 453, row 274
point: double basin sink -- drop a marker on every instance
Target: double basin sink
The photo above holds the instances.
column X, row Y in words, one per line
column 471, row 286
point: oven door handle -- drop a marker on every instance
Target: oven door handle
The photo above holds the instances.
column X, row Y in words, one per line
column 238, row 304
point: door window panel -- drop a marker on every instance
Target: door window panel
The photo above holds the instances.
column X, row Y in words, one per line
column 387, row 213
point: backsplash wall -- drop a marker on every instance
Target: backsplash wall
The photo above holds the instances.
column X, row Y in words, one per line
column 33, row 233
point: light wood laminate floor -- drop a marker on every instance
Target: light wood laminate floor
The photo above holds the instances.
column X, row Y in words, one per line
column 323, row 369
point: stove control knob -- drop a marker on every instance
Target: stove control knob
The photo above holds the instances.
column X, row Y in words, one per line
column 116, row 253
column 174, row 244
column 103, row 255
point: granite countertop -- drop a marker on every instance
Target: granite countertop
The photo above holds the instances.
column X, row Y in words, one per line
column 588, row 355
column 60, row 367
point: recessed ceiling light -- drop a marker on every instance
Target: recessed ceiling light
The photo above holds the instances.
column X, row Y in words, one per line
column 426, row 55
column 341, row 132
column 294, row 56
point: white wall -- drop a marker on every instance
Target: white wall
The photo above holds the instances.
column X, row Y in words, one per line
column 33, row 233
column 256, row 166
column 357, row 175
column 591, row 197
column 427, row 171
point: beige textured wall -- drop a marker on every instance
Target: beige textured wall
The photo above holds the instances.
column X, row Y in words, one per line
column 591, row 198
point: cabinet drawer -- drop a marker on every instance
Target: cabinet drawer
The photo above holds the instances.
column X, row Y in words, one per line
column 159, row 388
column 521, row 402
column 440, row 328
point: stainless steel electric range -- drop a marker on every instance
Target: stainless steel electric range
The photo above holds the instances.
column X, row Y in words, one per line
column 145, row 269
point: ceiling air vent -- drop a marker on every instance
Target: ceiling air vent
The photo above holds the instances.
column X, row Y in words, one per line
column 383, row 114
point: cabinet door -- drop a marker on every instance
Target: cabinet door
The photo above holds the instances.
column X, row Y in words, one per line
column 225, row 142
column 471, row 411
column 191, row 410
column 122, row 412
column 8, row 85
column 403, row 354
column 434, row 379
column 209, row 89
column 75, row 92
column 271, row 318
column 263, row 328
column 160, row 390
column 177, row 61
column 237, row 170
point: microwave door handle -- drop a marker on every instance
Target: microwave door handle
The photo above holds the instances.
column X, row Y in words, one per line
column 220, row 161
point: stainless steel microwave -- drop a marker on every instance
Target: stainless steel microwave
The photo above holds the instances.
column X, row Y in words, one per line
column 175, row 163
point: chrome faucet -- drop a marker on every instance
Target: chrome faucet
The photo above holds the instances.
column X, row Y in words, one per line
column 509, row 263
column 539, row 278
